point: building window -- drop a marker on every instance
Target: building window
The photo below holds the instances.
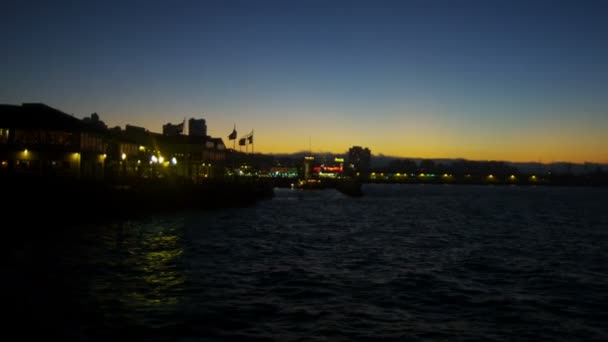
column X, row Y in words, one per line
column 24, row 137
column 3, row 135
column 23, row 164
column 59, row 138
column 92, row 142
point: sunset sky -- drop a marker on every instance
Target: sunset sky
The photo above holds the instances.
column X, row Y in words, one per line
column 501, row 80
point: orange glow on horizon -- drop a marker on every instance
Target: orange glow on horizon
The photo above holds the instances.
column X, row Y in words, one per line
column 403, row 135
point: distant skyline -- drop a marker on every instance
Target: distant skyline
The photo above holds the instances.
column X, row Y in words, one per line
column 522, row 81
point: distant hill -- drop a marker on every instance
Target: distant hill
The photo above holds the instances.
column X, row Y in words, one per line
column 321, row 156
column 380, row 161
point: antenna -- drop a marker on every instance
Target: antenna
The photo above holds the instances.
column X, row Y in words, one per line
column 309, row 148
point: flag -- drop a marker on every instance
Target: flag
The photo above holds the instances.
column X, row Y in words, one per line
column 180, row 127
column 250, row 138
column 232, row 135
column 242, row 141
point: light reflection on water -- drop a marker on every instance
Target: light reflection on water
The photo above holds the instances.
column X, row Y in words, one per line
column 146, row 255
column 427, row 262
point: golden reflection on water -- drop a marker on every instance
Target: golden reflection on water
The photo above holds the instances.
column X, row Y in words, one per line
column 149, row 274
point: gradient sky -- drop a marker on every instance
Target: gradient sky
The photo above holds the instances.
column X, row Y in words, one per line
column 500, row 80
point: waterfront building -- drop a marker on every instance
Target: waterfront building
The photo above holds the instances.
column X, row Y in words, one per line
column 173, row 130
column 181, row 158
column 359, row 161
column 308, row 167
column 197, row 127
column 330, row 170
column 36, row 139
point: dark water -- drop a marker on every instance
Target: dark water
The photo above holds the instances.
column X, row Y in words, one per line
column 402, row 262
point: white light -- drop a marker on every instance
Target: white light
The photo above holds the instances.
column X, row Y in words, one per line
column 123, row 156
column 153, row 159
column 173, row 161
column 161, row 159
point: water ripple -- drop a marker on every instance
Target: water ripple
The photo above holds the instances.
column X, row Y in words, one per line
column 402, row 262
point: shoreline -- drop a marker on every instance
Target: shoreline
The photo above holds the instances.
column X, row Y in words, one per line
column 38, row 203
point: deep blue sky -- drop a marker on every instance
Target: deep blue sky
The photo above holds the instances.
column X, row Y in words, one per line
column 513, row 80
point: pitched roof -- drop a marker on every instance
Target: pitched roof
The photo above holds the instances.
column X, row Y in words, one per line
column 41, row 116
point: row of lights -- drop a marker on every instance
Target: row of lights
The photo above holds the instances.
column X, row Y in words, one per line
column 123, row 156
column 490, row 177
column 161, row 160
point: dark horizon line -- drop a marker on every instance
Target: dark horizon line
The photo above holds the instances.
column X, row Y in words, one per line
column 378, row 155
column 381, row 155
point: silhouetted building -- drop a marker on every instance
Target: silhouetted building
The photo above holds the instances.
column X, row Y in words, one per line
column 172, row 130
column 36, row 139
column 308, row 166
column 197, row 128
column 95, row 121
column 359, row 161
column 328, row 168
column 130, row 129
column 180, row 158
column 174, row 156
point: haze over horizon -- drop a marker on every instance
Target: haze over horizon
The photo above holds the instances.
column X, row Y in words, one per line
column 517, row 81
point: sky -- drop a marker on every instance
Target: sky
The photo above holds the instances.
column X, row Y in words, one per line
column 481, row 80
